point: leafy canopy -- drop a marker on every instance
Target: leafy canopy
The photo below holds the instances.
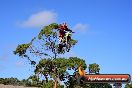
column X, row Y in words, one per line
column 44, row 45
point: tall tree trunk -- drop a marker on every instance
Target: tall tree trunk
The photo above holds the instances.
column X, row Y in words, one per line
column 55, row 86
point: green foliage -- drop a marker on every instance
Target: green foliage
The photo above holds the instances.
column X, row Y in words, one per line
column 47, row 40
column 49, row 35
column 72, row 82
column 48, row 31
column 1, row 80
column 75, row 62
column 73, row 42
column 9, row 81
column 129, row 85
column 21, row 49
column 94, row 68
column 31, row 81
column 51, row 65
column 58, row 67
column 50, row 84
column 34, row 78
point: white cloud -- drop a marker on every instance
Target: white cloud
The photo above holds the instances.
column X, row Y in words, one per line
column 40, row 19
column 81, row 28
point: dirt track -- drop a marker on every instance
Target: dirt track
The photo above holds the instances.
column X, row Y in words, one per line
column 11, row 86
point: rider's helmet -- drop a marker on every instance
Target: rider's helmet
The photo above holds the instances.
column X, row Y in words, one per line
column 61, row 26
column 65, row 26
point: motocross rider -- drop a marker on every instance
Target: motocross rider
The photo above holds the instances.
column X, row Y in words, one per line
column 62, row 31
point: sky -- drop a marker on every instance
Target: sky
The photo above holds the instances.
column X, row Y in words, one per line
column 103, row 29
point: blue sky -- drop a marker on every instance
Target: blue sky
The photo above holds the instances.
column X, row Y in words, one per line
column 103, row 30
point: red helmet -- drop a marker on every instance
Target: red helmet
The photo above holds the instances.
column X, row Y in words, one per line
column 64, row 25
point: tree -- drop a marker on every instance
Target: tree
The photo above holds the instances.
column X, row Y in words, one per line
column 1, row 80
column 129, row 85
column 58, row 67
column 33, row 80
column 94, row 68
column 50, row 84
column 9, row 81
column 45, row 48
column 45, row 44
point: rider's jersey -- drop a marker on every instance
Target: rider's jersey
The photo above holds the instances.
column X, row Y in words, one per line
column 62, row 30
